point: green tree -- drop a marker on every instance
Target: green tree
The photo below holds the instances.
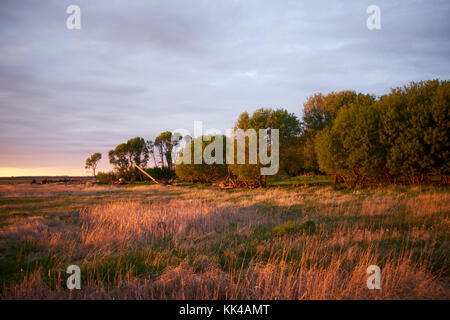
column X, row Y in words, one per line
column 125, row 154
column 243, row 121
column 92, row 162
column 308, row 150
column 319, row 112
column 416, row 130
column 351, row 148
column 289, row 130
column 292, row 157
column 165, row 144
column 118, row 157
column 328, row 149
column 405, row 134
column 216, row 169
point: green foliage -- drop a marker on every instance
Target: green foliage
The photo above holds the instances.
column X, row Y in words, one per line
column 243, row 121
column 286, row 122
column 92, row 162
column 328, row 148
column 307, row 146
column 289, row 228
column 292, row 158
column 416, row 129
column 319, row 112
column 165, row 144
column 164, row 173
column 122, row 157
column 105, row 177
column 405, row 135
column 202, row 172
column 352, row 145
column 308, row 226
column 246, row 174
column 289, row 130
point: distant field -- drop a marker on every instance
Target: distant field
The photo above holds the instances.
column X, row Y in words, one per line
column 27, row 180
column 299, row 239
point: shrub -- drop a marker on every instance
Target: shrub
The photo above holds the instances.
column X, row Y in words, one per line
column 105, row 177
column 403, row 135
column 290, row 150
column 351, row 148
column 202, row 172
column 290, row 227
column 416, row 130
column 161, row 173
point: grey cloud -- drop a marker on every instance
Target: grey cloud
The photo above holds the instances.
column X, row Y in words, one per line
column 141, row 67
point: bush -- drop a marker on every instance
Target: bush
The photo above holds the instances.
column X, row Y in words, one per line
column 351, row 148
column 404, row 135
column 290, row 149
column 319, row 113
column 161, row 173
column 290, row 227
column 202, row 172
column 105, row 177
column 416, row 131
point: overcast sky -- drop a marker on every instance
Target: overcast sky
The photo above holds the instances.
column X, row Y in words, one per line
column 137, row 68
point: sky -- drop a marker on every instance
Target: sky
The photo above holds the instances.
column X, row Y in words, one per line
column 137, row 68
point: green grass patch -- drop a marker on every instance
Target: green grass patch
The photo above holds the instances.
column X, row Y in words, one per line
column 290, row 227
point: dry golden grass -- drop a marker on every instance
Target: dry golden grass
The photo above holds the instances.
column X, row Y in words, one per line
column 23, row 190
column 153, row 242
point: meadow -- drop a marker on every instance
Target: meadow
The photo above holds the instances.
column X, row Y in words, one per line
column 300, row 238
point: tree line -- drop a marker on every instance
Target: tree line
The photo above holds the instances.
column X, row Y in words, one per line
column 400, row 137
column 154, row 156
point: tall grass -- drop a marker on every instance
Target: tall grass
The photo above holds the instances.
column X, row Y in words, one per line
column 185, row 243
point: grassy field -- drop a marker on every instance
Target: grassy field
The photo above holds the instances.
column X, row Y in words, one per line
column 300, row 238
column 27, row 180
